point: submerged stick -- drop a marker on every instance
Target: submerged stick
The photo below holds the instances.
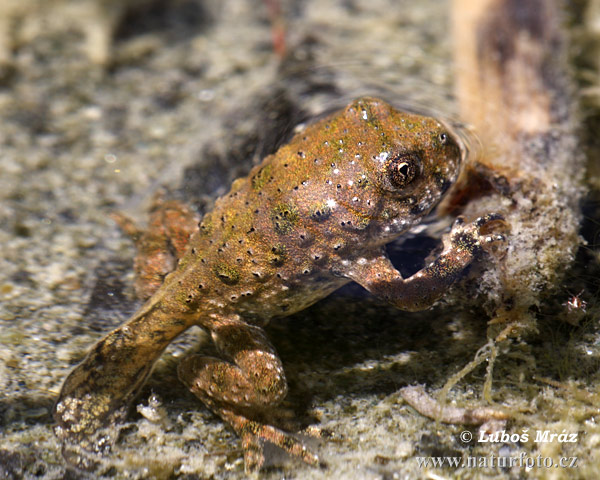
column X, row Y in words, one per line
column 513, row 88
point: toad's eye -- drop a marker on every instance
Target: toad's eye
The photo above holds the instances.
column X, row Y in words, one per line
column 443, row 138
column 403, row 169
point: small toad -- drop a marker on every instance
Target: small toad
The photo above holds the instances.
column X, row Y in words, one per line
column 310, row 218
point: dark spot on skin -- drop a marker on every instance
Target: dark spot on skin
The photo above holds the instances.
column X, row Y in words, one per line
column 278, row 255
column 284, row 217
column 443, row 183
column 320, row 212
column 227, row 274
column 419, row 208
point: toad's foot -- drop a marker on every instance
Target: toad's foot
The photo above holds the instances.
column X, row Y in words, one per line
column 485, row 233
column 255, row 436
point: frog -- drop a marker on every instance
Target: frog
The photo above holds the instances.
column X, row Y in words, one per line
column 310, row 218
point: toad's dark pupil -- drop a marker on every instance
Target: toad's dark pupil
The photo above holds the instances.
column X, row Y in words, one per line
column 403, row 169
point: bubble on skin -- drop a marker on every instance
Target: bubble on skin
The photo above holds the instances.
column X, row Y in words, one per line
column 382, row 157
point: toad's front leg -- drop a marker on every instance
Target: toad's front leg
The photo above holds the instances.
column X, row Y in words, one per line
column 418, row 292
column 249, row 382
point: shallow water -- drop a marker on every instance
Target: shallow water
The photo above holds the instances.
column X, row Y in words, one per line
column 195, row 97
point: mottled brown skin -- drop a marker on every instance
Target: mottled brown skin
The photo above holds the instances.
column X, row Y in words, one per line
column 310, row 218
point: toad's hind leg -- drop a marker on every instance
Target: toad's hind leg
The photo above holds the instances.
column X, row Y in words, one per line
column 97, row 393
column 249, row 383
